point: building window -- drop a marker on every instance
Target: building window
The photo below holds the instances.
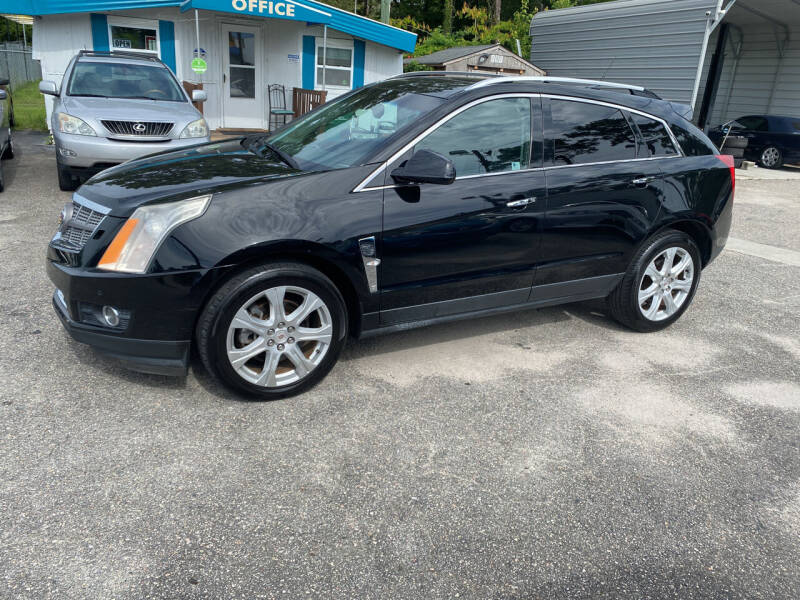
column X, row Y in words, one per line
column 338, row 65
column 135, row 36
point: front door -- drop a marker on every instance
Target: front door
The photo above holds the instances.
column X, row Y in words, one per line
column 470, row 245
column 243, row 100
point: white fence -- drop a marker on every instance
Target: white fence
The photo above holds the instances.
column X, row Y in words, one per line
column 17, row 65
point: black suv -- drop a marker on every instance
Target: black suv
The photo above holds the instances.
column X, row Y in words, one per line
column 416, row 200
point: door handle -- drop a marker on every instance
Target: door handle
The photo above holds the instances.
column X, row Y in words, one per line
column 642, row 180
column 520, row 203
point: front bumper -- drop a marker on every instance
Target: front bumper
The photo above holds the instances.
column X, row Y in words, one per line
column 147, row 356
column 163, row 310
column 90, row 151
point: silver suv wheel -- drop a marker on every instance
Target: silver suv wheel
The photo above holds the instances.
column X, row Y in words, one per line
column 279, row 336
column 666, row 284
column 770, row 157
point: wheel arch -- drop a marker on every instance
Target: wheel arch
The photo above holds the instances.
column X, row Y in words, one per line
column 699, row 232
column 311, row 254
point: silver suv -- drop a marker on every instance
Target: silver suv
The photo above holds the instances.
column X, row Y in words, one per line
column 115, row 106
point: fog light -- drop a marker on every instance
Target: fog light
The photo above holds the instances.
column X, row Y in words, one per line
column 67, row 152
column 111, row 316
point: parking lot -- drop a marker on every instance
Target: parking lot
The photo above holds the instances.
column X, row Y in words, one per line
column 545, row 454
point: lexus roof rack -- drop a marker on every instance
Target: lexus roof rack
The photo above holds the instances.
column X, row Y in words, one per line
column 120, row 54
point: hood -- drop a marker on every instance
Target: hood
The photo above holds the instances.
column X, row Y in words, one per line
column 193, row 171
column 122, row 109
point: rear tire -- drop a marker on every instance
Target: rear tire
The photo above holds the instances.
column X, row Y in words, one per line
column 771, row 158
column 66, row 181
column 246, row 332
column 8, row 153
column 2, row 178
column 654, row 293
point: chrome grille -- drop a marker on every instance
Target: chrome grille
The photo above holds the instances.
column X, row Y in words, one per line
column 80, row 228
column 138, row 128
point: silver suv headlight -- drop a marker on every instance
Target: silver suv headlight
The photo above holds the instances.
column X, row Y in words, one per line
column 136, row 243
column 195, row 129
column 69, row 124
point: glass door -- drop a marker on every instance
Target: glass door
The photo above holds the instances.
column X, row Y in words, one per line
column 243, row 104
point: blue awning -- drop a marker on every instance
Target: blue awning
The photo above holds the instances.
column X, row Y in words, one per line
column 309, row 11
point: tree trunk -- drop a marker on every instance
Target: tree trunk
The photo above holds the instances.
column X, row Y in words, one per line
column 447, row 24
column 498, row 6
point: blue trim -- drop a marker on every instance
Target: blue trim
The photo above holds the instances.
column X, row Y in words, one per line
column 99, row 32
column 166, row 41
column 359, row 52
column 309, row 58
column 309, row 11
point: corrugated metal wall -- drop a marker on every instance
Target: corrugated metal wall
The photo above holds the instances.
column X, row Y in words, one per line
column 757, row 72
column 653, row 43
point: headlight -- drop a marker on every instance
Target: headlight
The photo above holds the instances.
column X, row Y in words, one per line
column 69, row 124
column 141, row 235
column 195, row 129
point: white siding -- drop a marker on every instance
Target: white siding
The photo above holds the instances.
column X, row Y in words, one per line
column 56, row 39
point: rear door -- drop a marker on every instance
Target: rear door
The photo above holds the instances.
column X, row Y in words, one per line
column 603, row 197
column 473, row 244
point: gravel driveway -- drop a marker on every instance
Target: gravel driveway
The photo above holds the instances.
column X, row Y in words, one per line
column 547, row 454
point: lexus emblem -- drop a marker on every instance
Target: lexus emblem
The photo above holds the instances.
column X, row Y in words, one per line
column 139, row 127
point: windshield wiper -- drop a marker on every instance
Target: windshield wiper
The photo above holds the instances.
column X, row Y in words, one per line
column 89, row 95
column 281, row 154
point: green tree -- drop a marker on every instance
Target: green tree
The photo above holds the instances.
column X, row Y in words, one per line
column 447, row 23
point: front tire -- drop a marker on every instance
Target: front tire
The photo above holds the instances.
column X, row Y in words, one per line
column 659, row 284
column 771, row 158
column 66, row 181
column 273, row 331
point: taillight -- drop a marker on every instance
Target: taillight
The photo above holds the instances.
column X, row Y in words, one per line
column 728, row 160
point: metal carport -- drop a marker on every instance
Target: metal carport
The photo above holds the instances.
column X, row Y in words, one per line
column 751, row 49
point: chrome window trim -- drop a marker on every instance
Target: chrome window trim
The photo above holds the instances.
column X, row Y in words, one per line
column 363, row 186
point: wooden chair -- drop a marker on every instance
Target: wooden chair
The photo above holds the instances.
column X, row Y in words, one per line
column 305, row 101
column 189, row 87
column 277, row 105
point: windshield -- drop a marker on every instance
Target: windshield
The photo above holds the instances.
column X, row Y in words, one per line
column 350, row 129
column 124, row 80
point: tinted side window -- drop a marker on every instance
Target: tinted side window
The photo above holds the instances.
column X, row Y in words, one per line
column 586, row 133
column 490, row 137
column 655, row 136
column 754, row 123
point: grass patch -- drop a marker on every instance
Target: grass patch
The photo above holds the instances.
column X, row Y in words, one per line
column 29, row 110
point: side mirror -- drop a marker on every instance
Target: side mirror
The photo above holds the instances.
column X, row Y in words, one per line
column 426, row 167
column 199, row 96
column 3, row 95
column 48, row 87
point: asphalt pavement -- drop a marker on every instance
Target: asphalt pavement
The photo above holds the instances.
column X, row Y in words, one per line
column 546, row 454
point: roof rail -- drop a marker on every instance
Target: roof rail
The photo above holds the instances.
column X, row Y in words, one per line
column 472, row 74
column 568, row 80
column 120, row 54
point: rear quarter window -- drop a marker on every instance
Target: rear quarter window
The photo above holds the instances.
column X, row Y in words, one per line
column 692, row 144
column 657, row 140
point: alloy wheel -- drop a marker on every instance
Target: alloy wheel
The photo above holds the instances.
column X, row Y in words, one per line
column 770, row 157
column 666, row 284
column 279, row 336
